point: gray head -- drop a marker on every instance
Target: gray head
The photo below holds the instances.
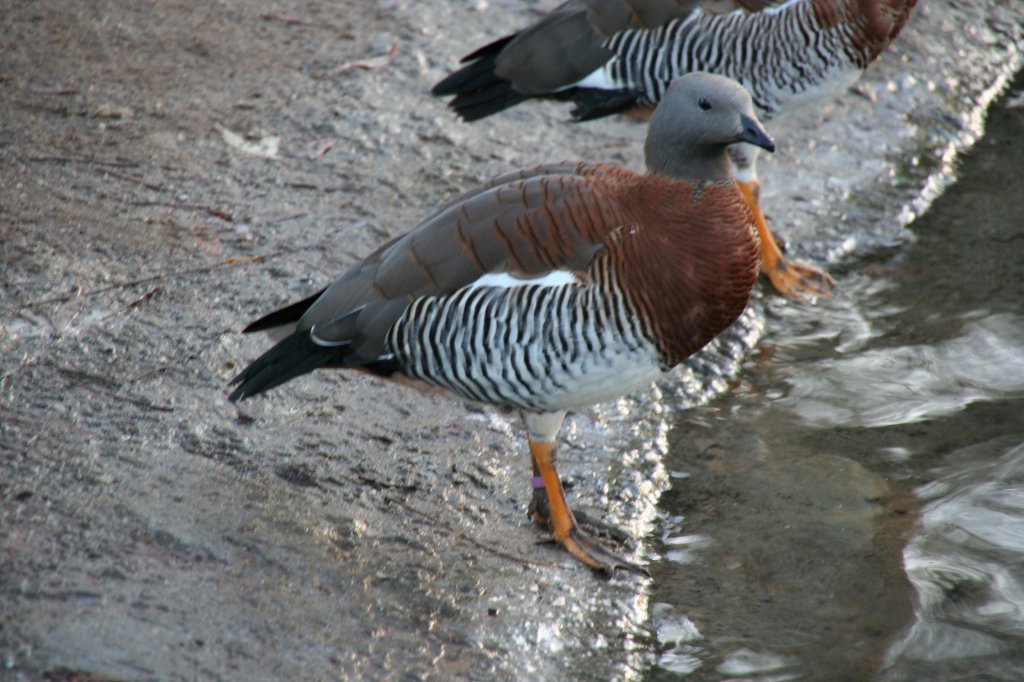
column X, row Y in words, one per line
column 700, row 115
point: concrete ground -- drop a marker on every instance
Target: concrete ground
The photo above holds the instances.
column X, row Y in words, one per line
column 170, row 171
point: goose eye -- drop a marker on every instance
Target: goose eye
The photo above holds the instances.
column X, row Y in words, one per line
column 703, row 103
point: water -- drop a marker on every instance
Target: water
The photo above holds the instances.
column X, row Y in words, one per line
column 855, row 508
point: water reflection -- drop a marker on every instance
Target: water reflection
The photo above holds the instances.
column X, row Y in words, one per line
column 966, row 565
column 855, row 510
column 911, row 383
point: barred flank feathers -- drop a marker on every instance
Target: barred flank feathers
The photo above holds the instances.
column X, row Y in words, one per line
column 776, row 55
column 525, row 347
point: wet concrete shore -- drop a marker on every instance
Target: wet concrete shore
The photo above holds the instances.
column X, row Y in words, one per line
column 170, row 172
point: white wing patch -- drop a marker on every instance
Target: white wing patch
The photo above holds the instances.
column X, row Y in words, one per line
column 505, row 280
column 598, row 80
column 776, row 9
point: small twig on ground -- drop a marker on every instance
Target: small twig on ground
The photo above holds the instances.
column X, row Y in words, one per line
column 317, row 188
column 56, row 90
column 145, row 297
column 368, row 64
column 111, row 388
column 324, row 147
column 473, row 541
column 291, row 21
column 84, row 159
column 129, row 178
column 215, row 212
column 146, row 280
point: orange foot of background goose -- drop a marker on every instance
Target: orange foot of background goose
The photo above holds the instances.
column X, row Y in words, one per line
column 792, row 279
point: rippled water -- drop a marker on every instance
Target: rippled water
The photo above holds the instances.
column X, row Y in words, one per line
column 855, row 509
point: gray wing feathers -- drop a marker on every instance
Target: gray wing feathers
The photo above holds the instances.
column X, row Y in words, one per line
column 560, row 49
column 566, row 45
column 527, row 223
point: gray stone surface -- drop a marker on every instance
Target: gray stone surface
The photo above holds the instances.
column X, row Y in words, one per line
column 341, row 527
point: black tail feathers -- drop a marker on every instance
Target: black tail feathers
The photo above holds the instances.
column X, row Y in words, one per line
column 592, row 103
column 287, row 315
column 479, row 91
column 292, row 357
column 477, row 72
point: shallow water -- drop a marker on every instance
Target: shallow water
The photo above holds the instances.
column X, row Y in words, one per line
column 855, row 508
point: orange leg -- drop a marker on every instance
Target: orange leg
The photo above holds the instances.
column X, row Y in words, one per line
column 540, row 512
column 560, row 519
column 792, row 279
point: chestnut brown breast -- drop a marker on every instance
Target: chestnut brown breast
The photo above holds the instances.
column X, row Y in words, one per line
column 693, row 274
